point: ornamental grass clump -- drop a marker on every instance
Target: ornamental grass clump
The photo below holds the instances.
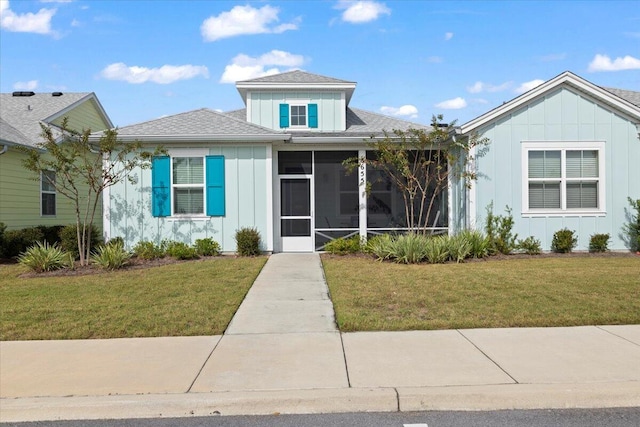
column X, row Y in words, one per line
column 437, row 249
column 380, row 246
column 478, row 241
column 459, row 247
column 43, row 257
column 410, row 248
column 111, row 256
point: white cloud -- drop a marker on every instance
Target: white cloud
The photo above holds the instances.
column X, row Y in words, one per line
column 76, row 23
column 604, row 63
column 244, row 20
column 479, row 87
column 448, row 36
column 452, row 104
column 245, row 67
column 358, row 12
column 30, row 85
column 162, row 75
column 406, row 111
column 39, row 23
column 527, row 86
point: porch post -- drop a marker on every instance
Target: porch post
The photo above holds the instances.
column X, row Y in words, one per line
column 362, row 195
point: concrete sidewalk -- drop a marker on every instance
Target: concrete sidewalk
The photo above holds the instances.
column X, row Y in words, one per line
column 282, row 353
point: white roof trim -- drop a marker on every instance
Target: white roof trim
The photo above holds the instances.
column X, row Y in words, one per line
column 199, row 138
column 565, row 78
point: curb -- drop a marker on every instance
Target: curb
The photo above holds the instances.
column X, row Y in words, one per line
column 404, row 399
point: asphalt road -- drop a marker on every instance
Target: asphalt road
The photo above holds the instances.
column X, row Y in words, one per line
column 619, row 417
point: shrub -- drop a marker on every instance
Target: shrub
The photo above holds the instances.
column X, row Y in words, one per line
column 499, row 231
column 380, row 246
column 51, row 233
column 459, row 247
column 564, row 241
column 632, row 228
column 248, row 241
column 530, row 246
column 599, row 243
column 2, row 229
column 69, row 239
column 478, row 241
column 116, row 241
column 18, row 241
column 437, row 250
column 342, row 246
column 207, row 247
column 180, row 250
column 410, row 248
column 111, row 256
column 148, row 250
column 44, row 257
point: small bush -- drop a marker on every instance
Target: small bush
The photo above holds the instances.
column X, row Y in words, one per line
column 499, row 231
column 116, row 241
column 180, row 250
column 632, row 228
column 51, row 233
column 564, row 241
column 380, row 246
column 248, row 241
column 44, row 257
column 530, row 246
column 111, row 256
column 342, row 246
column 437, row 249
column 207, row 247
column 599, row 243
column 18, row 241
column 145, row 249
column 2, row 229
column 69, row 239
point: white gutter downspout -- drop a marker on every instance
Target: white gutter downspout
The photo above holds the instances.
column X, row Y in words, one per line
column 4, row 149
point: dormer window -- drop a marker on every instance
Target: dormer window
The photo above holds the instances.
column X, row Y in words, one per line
column 299, row 116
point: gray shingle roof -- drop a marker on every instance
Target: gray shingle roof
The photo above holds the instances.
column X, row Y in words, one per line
column 360, row 123
column 25, row 113
column 9, row 134
column 296, row 76
column 203, row 122
column 628, row 95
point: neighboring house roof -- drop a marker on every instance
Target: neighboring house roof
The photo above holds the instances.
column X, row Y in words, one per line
column 621, row 100
column 11, row 135
column 295, row 80
column 25, row 113
column 201, row 125
column 629, row 95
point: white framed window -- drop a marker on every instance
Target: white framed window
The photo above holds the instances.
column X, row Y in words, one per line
column 298, row 116
column 563, row 178
column 187, row 185
column 47, row 193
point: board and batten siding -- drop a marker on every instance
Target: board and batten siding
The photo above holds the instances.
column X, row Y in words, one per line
column 128, row 214
column 20, row 197
column 561, row 115
column 264, row 108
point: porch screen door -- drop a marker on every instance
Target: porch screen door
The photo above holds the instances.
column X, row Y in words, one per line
column 295, row 214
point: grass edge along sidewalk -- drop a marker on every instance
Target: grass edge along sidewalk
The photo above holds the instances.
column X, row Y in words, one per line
column 369, row 295
column 180, row 299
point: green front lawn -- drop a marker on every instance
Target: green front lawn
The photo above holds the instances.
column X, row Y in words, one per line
column 187, row 298
column 539, row 291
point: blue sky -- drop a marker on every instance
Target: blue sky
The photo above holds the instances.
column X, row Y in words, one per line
column 410, row 59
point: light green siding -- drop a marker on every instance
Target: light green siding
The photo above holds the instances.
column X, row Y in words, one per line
column 561, row 115
column 20, row 197
column 264, row 108
column 246, row 181
column 82, row 117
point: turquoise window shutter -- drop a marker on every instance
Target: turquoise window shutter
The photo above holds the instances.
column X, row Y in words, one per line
column 160, row 186
column 313, row 115
column 215, row 186
column 284, row 115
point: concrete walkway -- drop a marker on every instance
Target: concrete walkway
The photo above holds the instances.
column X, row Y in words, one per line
column 282, row 353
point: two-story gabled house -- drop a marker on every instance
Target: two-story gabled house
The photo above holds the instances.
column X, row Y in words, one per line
column 275, row 165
